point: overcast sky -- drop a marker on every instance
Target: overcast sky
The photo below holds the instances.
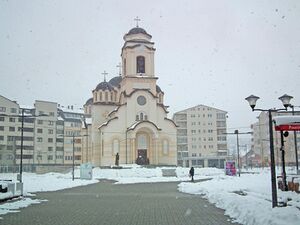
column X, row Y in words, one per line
column 214, row 53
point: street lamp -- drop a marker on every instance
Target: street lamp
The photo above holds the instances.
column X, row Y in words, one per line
column 236, row 132
column 73, row 149
column 252, row 99
column 295, row 141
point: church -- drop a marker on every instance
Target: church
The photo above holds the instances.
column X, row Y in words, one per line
column 127, row 114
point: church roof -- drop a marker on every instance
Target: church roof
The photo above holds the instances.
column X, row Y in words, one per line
column 115, row 81
column 89, row 101
column 138, row 30
column 104, row 86
column 158, row 90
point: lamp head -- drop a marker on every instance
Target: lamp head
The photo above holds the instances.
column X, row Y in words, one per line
column 252, row 101
column 285, row 100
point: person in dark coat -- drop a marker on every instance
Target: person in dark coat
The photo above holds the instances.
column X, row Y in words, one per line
column 117, row 159
column 192, row 173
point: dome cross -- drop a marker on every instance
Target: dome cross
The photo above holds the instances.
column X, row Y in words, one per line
column 104, row 75
column 137, row 19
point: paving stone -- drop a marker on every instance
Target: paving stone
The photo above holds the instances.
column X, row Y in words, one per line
column 113, row 204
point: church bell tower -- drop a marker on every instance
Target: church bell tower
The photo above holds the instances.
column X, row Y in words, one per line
column 138, row 53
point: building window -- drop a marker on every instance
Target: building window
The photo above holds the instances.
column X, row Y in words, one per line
column 106, row 96
column 100, row 96
column 142, row 141
column 115, row 146
column 137, row 118
column 39, row 139
column 50, row 157
column 1, row 118
column 141, row 116
column 1, row 128
column 111, row 96
column 2, row 109
column 12, row 120
column 1, row 138
column 124, row 67
column 51, row 114
column 140, row 64
column 50, row 131
column 12, row 128
column 13, row 110
column 40, row 131
column 50, row 149
column 40, row 121
column 141, row 100
column 51, row 123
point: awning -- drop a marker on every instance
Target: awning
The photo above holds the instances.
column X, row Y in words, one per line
column 285, row 123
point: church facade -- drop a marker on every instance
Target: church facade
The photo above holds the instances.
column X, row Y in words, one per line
column 127, row 114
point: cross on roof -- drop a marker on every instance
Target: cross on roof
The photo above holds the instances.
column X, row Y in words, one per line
column 104, row 75
column 137, row 19
column 119, row 66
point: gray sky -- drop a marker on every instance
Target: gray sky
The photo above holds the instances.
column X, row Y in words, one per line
column 213, row 52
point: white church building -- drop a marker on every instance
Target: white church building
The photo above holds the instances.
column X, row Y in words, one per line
column 127, row 114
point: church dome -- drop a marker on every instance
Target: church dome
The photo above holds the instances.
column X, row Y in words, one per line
column 89, row 101
column 115, row 81
column 104, row 86
column 158, row 90
column 138, row 30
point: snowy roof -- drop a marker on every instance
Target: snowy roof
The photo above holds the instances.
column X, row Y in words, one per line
column 70, row 110
column 280, row 120
column 88, row 120
column 26, row 107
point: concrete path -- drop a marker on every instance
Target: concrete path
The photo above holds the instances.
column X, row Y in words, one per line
column 111, row 204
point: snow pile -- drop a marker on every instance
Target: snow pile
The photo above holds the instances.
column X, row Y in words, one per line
column 247, row 199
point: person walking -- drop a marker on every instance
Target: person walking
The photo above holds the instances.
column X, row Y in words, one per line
column 117, row 159
column 192, row 173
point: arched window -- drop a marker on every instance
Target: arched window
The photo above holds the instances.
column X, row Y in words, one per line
column 137, row 118
column 115, row 146
column 124, row 67
column 142, row 141
column 96, row 96
column 160, row 98
column 106, row 96
column 140, row 64
column 165, row 147
column 141, row 116
column 111, row 96
column 100, row 96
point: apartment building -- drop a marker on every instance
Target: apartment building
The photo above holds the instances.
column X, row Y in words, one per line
column 72, row 119
column 48, row 130
column 201, row 141
column 261, row 141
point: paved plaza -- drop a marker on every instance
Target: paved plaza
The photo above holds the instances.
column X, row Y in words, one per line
column 127, row 204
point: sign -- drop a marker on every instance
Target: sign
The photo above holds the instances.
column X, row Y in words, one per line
column 286, row 127
column 230, row 169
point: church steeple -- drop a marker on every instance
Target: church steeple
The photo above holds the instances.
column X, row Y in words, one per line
column 138, row 53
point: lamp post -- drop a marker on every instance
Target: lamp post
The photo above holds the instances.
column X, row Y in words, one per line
column 236, row 132
column 285, row 101
column 295, row 142
column 73, row 150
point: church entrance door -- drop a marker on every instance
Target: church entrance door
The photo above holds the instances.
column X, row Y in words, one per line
column 142, row 147
column 142, row 157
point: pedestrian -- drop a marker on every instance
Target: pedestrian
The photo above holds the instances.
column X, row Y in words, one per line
column 117, row 159
column 192, row 173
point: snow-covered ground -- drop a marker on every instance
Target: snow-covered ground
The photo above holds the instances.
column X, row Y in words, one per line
column 246, row 199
